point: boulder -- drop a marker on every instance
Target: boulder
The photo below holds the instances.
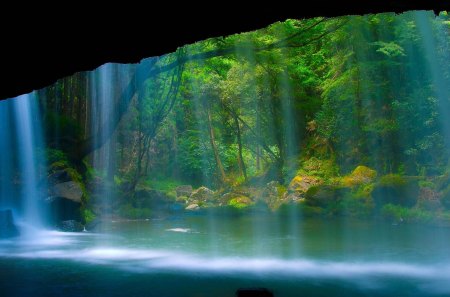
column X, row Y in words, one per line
column 70, row 226
column 360, row 175
column 7, row 227
column 69, row 190
column 326, row 195
column 274, row 194
column 184, row 191
column 396, row 190
column 301, row 184
column 202, row 194
column 193, row 206
column 240, row 202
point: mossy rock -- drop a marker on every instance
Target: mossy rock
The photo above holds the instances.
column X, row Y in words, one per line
column 240, row 202
column 359, row 176
column 301, row 184
column 396, row 190
column 326, row 195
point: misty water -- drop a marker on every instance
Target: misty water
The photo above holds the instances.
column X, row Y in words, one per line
column 185, row 256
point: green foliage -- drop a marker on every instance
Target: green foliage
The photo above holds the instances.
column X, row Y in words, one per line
column 393, row 180
column 165, row 185
column 56, row 157
column 61, row 124
column 390, row 49
column 130, row 212
column 321, row 168
column 398, row 213
column 87, row 216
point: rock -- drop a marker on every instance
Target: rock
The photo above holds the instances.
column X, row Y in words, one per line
column 183, row 191
column 360, row 175
column 70, row 226
column 300, row 184
column 69, row 190
column 7, row 227
column 274, row 194
column 326, row 195
column 429, row 199
column 193, row 206
column 240, row 202
column 202, row 194
column 58, row 176
column 396, row 190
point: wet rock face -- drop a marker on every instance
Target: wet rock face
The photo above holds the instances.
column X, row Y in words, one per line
column 68, row 190
column 7, row 227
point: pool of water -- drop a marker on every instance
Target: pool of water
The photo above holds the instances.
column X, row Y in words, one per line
column 214, row 256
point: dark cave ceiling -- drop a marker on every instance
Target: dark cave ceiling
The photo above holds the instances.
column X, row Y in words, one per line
column 39, row 48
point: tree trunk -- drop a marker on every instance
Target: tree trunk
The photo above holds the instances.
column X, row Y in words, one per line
column 212, row 139
column 241, row 162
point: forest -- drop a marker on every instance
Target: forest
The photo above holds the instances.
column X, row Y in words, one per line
column 345, row 116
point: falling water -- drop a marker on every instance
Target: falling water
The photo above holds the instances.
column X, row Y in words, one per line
column 22, row 157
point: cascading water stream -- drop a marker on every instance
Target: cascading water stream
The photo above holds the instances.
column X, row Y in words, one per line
column 22, row 158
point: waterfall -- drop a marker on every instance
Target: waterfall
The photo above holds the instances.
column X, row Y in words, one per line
column 21, row 180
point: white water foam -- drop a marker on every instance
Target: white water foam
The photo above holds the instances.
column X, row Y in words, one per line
column 181, row 230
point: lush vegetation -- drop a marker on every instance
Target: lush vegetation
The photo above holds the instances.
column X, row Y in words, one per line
column 342, row 116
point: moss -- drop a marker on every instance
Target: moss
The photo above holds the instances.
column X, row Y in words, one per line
column 87, row 216
column 172, row 195
column 427, row 184
column 393, row 180
column 240, row 202
column 281, row 190
column 360, row 175
column 313, row 166
column 56, row 157
column 364, row 191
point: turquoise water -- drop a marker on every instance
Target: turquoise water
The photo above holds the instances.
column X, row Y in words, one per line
column 214, row 256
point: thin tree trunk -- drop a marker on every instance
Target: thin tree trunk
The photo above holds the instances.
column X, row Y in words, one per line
column 214, row 146
column 241, row 162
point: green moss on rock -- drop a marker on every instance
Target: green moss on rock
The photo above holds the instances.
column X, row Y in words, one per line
column 240, row 202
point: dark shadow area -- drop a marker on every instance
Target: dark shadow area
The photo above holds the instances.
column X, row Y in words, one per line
column 34, row 55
